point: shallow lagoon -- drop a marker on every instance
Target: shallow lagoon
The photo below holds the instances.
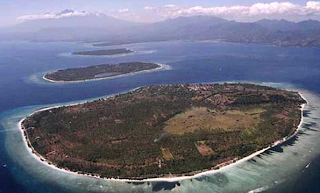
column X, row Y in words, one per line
column 276, row 169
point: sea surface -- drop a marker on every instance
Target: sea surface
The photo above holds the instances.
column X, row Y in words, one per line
column 291, row 167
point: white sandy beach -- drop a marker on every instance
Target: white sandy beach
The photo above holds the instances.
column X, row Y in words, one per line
column 161, row 67
column 161, row 179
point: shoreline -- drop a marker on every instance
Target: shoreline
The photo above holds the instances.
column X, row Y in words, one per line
column 161, row 67
column 224, row 166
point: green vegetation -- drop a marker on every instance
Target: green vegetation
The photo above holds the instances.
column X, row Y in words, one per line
column 103, row 52
column 99, row 71
column 136, row 135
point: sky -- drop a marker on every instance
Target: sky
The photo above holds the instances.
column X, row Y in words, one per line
column 17, row 11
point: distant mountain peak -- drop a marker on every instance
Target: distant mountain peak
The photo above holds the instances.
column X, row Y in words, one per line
column 66, row 11
column 310, row 21
column 273, row 21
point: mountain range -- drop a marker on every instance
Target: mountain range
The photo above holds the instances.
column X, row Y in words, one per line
column 113, row 31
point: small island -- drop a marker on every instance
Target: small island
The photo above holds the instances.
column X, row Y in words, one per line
column 110, row 52
column 99, row 71
column 164, row 130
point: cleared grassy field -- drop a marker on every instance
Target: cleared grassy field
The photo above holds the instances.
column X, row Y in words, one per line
column 204, row 118
column 203, row 149
column 166, row 154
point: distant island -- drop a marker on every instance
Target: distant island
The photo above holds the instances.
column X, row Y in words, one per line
column 213, row 29
column 164, row 130
column 110, row 52
column 124, row 42
column 99, row 71
column 113, row 31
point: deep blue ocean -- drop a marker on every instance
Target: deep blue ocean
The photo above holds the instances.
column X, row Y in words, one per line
column 22, row 65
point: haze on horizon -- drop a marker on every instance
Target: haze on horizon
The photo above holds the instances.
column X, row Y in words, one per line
column 17, row 11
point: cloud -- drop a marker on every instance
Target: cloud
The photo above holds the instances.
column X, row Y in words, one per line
column 148, row 8
column 313, row 6
column 274, row 10
column 170, row 6
column 63, row 14
column 123, row 10
column 277, row 10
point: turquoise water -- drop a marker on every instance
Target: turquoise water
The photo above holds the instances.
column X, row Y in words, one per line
column 22, row 65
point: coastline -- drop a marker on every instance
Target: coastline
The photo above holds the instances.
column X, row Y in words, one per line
column 161, row 67
column 224, row 166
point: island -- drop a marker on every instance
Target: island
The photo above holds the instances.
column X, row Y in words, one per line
column 99, row 71
column 110, row 52
column 164, row 130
